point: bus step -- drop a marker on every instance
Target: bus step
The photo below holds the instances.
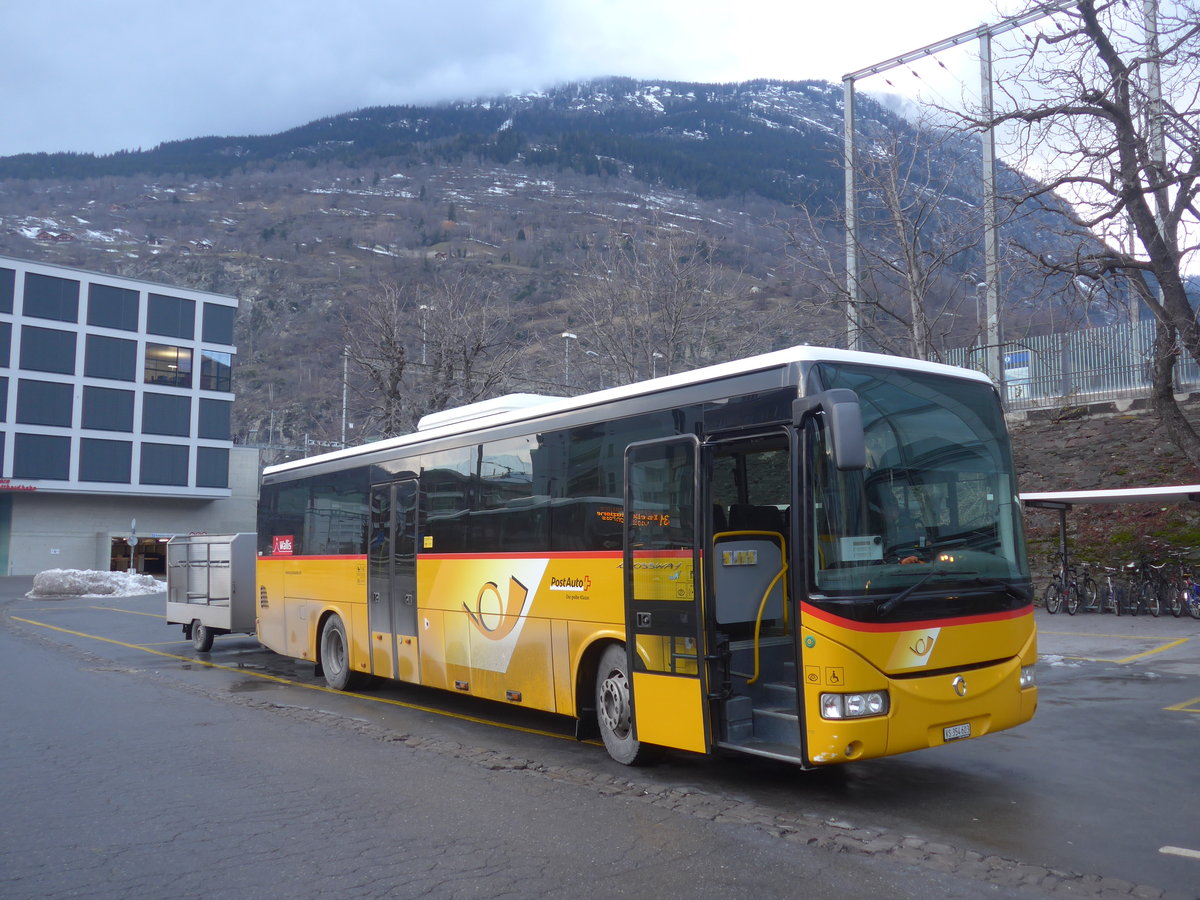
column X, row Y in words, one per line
column 783, row 752
column 739, row 718
column 779, row 694
column 778, row 726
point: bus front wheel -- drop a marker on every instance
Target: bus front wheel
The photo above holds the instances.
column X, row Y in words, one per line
column 335, row 655
column 614, row 711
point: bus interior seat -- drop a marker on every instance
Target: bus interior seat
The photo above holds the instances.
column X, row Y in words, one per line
column 745, row 569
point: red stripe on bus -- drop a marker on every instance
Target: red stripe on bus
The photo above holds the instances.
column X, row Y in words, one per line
column 284, row 557
column 558, row 554
column 824, row 616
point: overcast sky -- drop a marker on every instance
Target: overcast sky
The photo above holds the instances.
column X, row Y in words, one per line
column 105, row 75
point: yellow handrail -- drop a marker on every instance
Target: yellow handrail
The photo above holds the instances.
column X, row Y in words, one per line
column 758, row 619
column 762, row 604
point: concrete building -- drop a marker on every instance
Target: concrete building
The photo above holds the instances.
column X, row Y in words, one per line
column 115, row 412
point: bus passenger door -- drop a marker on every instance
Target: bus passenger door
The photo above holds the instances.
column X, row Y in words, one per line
column 664, row 622
column 392, row 579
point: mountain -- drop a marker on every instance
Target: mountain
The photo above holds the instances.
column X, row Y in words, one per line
column 773, row 139
column 306, row 225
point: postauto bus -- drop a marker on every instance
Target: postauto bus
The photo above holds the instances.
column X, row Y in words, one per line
column 812, row 555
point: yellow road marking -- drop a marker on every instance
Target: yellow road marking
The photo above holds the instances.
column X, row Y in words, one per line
column 132, row 612
column 1192, row 706
column 1119, row 637
column 1146, row 653
column 280, row 680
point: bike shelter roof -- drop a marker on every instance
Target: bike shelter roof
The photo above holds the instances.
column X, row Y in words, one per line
column 1178, row 493
column 1064, row 500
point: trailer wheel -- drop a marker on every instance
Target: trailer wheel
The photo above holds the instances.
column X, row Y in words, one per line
column 335, row 656
column 202, row 636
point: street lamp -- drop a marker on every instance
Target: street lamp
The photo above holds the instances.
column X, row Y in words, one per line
column 599, row 363
column 567, row 337
column 654, row 358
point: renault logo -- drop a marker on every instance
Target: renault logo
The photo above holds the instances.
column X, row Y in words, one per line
column 960, row 685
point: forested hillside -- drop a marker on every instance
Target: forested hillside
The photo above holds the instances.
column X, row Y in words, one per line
column 666, row 225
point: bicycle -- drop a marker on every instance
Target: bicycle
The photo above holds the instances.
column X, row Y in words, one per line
column 1147, row 586
column 1112, row 592
column 1086, row 591
column 1059, row 593
column 1189, row 597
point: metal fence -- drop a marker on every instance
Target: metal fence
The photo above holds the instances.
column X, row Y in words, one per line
column 1081, row 367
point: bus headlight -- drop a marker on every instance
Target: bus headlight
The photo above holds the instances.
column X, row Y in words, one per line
column 854, row 706
column 1028, row 678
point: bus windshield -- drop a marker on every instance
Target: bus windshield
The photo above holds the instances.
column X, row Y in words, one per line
column 931, row 525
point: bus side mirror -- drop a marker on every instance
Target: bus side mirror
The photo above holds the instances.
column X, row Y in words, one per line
column 844, row 421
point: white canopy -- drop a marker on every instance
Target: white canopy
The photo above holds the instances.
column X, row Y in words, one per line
column 1065, row 499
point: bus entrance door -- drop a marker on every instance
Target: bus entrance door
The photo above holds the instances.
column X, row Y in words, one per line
column 664, row 622
column 392, row 580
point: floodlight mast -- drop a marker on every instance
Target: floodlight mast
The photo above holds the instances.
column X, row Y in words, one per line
column 984, row 34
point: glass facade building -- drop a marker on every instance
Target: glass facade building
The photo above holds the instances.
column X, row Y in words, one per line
column 110, row 385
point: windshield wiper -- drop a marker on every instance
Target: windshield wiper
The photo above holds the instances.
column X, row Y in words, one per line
column 885, row 607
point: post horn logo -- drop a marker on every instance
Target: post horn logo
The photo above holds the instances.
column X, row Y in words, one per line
column 494, row 615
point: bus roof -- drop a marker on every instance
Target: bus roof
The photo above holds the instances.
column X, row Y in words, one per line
column 468, row 418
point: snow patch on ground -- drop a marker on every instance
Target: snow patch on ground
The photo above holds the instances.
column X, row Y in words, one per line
column 90, row 583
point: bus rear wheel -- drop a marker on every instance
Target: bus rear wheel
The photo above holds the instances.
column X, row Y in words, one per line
column 335, row 655
column 614, row 712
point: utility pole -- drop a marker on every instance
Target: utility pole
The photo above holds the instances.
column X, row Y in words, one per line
column 345, row 388
column 567, row 337
column 984, row 34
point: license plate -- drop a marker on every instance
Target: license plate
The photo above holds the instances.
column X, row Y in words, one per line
column 956, row 732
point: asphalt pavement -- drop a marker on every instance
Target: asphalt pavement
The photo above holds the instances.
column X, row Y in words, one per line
column 134, row 767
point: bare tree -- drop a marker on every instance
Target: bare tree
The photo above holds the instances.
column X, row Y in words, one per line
column 378, row 343
column 420, row 347
column 469, row 351
column 917, row 237
column 655, row 301
column 1103, row 106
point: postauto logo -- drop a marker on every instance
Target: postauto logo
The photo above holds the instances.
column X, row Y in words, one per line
column 571, row 583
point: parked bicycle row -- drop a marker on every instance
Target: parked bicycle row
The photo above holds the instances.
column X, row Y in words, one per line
column 1138, row 587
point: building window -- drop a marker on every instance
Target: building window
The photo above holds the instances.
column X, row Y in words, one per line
column 214, row 420
column 218, row 324
column 42, row 456
column 101, row 460
column 44, row 403
column 212, row 467
column 106, row 409
column 215, row 371
column 171, row 316
column 164, row 464
column 8, row 282
column 5, row 343
column 47, row 297
column 166, row 414
column 112, row 307
column 48, row 350
column 3, row 403
column 170, row 366
column 107, row 357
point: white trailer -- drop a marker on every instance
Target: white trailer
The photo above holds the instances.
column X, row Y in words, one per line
column 210, row 585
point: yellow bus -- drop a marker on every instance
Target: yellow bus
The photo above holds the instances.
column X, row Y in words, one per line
column 811, row 555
